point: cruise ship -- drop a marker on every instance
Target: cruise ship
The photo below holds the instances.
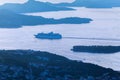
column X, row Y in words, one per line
column 50, row 35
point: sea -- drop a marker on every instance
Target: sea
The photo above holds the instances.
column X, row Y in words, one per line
column 103, row 30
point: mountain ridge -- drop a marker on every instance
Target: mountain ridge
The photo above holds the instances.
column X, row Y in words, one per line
column 33, row 6
column 92, row 3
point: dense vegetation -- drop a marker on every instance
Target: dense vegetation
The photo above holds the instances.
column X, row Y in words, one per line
column 97, row 49
column 36, row 65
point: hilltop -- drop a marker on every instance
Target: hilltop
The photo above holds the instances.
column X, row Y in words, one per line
column 37, row 65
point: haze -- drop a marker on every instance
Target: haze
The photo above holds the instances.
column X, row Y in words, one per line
column 22, row 1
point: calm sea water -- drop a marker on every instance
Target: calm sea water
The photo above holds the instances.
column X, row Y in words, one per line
column 105, row 24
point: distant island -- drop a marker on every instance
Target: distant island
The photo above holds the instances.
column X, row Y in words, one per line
column 97, row 49
column 92, row 3
column 37, row 65
column 9, row 19
column 33, row 6
column 50, row 36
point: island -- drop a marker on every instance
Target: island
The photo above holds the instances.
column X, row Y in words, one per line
column 39, row 65
column 32, row 6
column 50, row 36
column 10, row 19
column 96, row 49
column 92, row 3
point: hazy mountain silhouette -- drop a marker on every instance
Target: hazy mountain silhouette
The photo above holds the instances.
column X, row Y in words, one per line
column 10, row 19
column 32, row 6
column 93, row 3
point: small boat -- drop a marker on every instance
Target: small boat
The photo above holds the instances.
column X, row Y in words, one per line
column 50, row 35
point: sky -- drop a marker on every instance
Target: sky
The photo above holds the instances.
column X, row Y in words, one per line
column 22, row 1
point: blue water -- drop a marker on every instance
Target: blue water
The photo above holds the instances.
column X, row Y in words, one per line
column 105, row 25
